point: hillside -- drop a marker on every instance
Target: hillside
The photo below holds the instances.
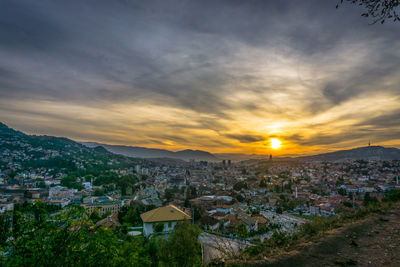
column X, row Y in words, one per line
column 365, row 153
column 373, row 241
column 32, row 151
column 16, row 138
column 143, row 152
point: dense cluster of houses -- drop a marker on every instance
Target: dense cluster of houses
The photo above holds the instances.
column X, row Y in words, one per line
column 218, row 195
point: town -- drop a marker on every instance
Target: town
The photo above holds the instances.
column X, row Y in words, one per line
column 244, row 200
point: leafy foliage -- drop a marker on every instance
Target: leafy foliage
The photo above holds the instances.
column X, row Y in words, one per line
column 241, row 230
column 131, row 214
column 392, row 196
column 191, row 192
column 368, row 200
column 182, row 247
column 67, row 239
column 71, row 182
column 159, row 227
column 5, row 227
column 379, row 10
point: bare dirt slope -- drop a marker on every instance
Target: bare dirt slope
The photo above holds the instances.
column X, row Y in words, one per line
column 374, row 241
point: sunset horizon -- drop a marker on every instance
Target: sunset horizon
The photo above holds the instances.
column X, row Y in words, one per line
column 269, row 150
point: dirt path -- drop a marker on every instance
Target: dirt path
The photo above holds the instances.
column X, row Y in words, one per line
column 374, row 241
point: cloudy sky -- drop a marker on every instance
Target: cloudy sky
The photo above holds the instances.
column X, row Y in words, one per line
column 222, row 76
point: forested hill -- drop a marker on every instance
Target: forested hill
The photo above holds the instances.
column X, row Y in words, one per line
column 32, row 151
column 18, row 138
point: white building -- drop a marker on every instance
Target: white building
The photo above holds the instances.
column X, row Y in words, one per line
column 6, row 206
column 87, row 185
column 60, row 192
column 169, row 216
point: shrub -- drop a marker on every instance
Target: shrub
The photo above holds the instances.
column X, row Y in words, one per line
column 159, row 227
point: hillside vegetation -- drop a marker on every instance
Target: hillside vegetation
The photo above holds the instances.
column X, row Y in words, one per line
column 367, row 237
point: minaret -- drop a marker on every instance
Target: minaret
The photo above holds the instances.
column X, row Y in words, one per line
column 369, row 143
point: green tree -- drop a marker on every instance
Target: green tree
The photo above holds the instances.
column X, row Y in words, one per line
column 95, row 216
column 153, row 251
column 41, row 184
column 191, row 192
column 169, row 194
column 127, row 181
column 5, row 227
column 342, row 192
column 89, row 177
column 131, row 217
column 347, row 204
column 368, row 200
column 99, row 192
column 134, row 214
column 69, row 239
column 241, row 230
column 71, row 182
column 182, row 247
column 197, row 212
column 159, row 227
column 136, row 252
column 392, row 196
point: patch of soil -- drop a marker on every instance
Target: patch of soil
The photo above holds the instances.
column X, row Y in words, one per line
column 374, row 241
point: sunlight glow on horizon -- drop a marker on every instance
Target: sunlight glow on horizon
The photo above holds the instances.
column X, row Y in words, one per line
column 275, row 143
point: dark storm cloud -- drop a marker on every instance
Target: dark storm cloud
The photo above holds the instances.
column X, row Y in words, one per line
column 367, row 79
column 23, row 28
column 198, row 56
column 125, row 42
column 246, row 138
column 355, row 135
column 384, row 121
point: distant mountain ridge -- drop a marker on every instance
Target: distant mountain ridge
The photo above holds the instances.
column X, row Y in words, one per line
column 360, row 153
column 366, row 153
column 60, row 143
column 143, row 152
column 236, row 157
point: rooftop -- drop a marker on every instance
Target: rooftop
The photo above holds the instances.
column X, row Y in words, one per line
column 163, row 214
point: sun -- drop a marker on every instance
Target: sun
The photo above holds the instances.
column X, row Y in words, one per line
column 275, row 143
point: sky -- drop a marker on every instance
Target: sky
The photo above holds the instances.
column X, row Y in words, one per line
column 222, row 76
